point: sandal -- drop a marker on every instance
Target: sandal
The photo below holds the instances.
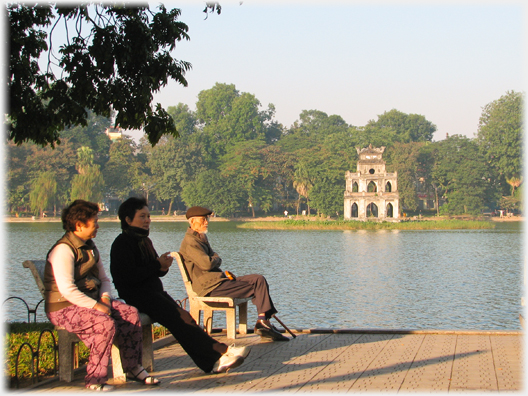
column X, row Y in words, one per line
column 101, row 387
column 148, row 380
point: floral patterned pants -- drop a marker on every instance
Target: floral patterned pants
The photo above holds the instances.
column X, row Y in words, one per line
column 98, row 331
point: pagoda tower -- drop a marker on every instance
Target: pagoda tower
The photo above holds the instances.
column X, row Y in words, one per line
column 371, row 193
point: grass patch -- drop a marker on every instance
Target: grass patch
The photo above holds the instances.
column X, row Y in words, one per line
column 17, row 334
column 448, row 224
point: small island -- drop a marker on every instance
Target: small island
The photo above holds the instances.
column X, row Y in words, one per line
column 440, row 224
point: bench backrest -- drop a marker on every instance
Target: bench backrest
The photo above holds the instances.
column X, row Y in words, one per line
column 37, row 269
column 185, row 276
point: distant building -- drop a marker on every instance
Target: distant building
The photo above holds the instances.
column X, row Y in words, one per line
column 114, row 133
column 371, row 193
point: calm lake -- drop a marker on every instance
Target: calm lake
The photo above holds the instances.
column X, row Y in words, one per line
column 452, row 280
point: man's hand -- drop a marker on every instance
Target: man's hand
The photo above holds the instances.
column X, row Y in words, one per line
column 216, row 260
column 165, row 261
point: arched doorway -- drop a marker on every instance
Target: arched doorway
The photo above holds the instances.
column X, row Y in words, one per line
column 388, row 187
column 372, row 210
column 390, row 210
column 355, row 187
column 355, row 210
column 372, row 187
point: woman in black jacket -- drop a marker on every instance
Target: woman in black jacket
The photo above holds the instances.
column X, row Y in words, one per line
column 136, row 269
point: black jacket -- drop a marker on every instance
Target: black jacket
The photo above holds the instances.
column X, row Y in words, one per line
column 130, row 273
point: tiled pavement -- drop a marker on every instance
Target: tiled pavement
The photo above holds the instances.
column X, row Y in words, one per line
column 346, row 361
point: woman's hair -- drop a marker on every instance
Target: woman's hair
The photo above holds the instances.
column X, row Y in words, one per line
column 78, row 210
column 129, row 209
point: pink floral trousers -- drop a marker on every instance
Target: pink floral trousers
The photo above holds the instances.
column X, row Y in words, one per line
column 98, row 331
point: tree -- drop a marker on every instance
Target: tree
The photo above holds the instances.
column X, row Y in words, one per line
column 120, row 170
column 92, row 135
column 60, row 161
column 404, row 159
column 221, row 194
column 227, row 117
column 395, row 126
column 317, row 125
column 500, row 137
column 43, row 191
column 18, row 180
column 115, row 56
column 88, row 184
column 281, row 167
column 245, row 163
column 327, row 195
column 184, row 119
column 302, row 182
column 164, row 180
column 463, row 175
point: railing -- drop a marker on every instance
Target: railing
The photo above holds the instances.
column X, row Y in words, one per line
column 29, row 310
column 35, row 353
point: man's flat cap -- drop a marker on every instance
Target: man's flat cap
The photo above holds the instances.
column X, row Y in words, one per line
column 197, row 211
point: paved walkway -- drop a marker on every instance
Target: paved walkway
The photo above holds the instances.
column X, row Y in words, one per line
column 347, row 361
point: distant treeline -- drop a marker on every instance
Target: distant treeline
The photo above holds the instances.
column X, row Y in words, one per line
column 235, row 158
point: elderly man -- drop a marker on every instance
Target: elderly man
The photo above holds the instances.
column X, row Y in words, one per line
column 203, row 265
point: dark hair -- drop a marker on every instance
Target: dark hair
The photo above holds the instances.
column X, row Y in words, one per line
column 129, row 209
column 78, row 210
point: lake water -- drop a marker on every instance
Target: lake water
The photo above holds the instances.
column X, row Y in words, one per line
column 452, row 280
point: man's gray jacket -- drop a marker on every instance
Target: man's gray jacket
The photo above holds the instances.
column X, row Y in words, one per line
column 202, row 263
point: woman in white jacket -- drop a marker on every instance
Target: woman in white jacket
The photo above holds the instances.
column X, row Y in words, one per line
column 79, row 299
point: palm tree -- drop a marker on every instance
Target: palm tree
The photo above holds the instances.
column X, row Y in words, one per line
column 514, row 182
column 302, row 183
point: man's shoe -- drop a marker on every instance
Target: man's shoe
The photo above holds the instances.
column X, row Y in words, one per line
column 238, row 351
column 227, row 361
column 266, row 330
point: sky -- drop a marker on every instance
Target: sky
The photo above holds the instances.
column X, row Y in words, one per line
column 444, row 60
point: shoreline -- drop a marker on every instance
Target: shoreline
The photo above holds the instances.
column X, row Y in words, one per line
column 181, row 218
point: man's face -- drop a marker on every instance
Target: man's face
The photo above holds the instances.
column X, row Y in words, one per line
column 200, row 224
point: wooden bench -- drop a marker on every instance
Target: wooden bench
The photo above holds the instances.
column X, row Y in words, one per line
column 66, row 340
column 209, row 304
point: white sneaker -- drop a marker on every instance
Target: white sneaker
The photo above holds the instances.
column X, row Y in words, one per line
column 238, row 351
column 101, row 387
column 227, row 361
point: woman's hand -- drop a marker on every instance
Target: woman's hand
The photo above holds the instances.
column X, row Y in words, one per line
column 103, row 308
column 165, row 261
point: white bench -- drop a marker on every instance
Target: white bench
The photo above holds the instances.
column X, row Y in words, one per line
column 68, row 353
column 209, row 304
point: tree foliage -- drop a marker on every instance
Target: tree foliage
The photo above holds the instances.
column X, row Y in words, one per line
column 115, row 56
column 235, row 158
column 500, row 136
column 43, row 192
column 395, row 126
column 88, row 184
column 464, row 176
column 404, row 159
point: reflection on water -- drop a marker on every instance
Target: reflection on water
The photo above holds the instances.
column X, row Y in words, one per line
column 336, row 279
